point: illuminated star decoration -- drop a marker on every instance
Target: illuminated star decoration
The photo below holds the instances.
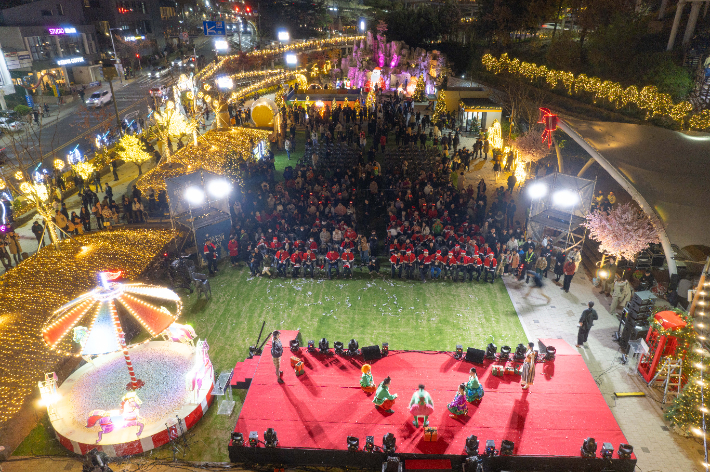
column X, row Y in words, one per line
column 101, row 308
column 550, row 122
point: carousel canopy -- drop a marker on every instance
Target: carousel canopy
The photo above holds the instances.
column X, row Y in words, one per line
column 103, row 311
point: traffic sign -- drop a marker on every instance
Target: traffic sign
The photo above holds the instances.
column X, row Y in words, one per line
column 214, row 28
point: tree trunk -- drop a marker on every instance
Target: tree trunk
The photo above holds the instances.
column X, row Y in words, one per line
column 140, row 169
column 560, row 168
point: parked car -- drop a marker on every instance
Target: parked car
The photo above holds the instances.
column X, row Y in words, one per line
column 99, row 99
column 159, row 91
column 158, row 71
column 11, row 124
column 9, row 114
column 178, row 62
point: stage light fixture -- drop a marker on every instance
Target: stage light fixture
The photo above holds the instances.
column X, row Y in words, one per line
column 625, row 451
column 270, row 438
column 565, row 198
column 294, row 345
column 219, row 188
column 254, row 438
column 471, row 464
column 491, row 350
column 504, row 353
column 506, row 447
column 490, row 448
column 385, row 349
column 195, row 195
column 353, row 348
column 339, row 347
column 589, row 448
column 353, row 444
column 472, row 445
column 323, row 346
column 458, row 353
column 550, row 353
column 237, row 439
column 392, row 465
column 520, row 352
column 311, row 346
column 369, row 444
column 607, row 450
column 389, row 443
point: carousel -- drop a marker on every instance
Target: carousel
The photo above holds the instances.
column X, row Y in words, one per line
column 146, row 379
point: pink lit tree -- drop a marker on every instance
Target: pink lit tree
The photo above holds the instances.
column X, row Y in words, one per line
column 622, row 232
column 530, row 145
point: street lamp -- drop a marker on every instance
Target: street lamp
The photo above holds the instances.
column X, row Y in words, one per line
column 194, row 196
column 225, row 82
column 115, row 56
column 361, row 25
column 221, row 45
column 283, row 36
column 291, row 59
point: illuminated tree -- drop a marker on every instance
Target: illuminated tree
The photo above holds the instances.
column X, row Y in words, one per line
column 370, row 102
column 622, row 232
column 531, row 146
column 440, row 109
column 131, row 149
column 84, row 169
column 170, row 123
column 418, row 95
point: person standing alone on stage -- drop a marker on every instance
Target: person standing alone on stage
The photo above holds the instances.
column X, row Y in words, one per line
column 277, row 351
column 585, row 324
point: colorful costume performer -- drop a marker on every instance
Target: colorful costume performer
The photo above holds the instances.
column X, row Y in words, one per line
column 366, row 381
column 474, row 390
column 421, row 404
column 458, row 406
column 528, row 372
column 383, row 399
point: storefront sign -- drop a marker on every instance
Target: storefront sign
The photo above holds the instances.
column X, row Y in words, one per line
column 57, row 31
column 70, row 60
column 6, row 84
column 18, row 60
column 134, row 38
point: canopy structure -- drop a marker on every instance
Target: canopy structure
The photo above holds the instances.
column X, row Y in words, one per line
column 97, row 319
column 665, row 171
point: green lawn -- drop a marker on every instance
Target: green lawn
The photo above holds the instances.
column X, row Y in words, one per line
column 407, row 315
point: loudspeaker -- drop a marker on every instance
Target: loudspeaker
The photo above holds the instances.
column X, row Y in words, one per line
column 371, row 352
column 475, row 355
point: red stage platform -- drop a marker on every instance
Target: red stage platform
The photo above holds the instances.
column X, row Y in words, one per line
column 321, row 408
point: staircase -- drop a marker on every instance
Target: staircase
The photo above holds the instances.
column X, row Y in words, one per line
column 243, row 372
column 668, row 378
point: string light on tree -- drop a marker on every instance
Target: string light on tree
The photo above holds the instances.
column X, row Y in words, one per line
column 131, row 149
column 440, row 109
column 418, row 95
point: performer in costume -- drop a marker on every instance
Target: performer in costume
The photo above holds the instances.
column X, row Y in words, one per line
column 458, row 406
column 528, row 373
column 474, row 390
column 421, row 405
column 383, row 399
column 366, row 381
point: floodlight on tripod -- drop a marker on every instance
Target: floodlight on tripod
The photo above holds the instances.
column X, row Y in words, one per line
column 389, row 443
column 589, row 448
column 353, row 348
column 491, row 350
column 504, row 354
column 323, row 346
column 339, row 347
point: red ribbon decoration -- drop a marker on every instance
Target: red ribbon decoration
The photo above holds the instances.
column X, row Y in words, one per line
column 550, row 121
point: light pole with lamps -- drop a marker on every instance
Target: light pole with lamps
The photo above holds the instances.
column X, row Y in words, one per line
column 115, row 56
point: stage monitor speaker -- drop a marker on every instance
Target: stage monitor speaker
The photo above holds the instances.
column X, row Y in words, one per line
column 371, row 352
column 475, row 355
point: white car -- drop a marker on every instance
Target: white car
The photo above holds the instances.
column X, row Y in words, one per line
column 11, row 124
column 159, row 91
column 99, row 98
column 178, row 62
column 159, row 71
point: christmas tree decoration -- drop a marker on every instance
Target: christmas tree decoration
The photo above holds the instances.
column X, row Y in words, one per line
column 495, row 135
column 131, row 149
column 370, row 101
column 418, row 95
column 84, row 169
column 440, row 109
column 624, row 231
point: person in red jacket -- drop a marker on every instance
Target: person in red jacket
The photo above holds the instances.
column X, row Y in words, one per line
column 424, row 264
column 296, row 263
column 396, row 264
column 282, row 257
column 479, row 266
column 490, row 264
column 450, row 266
column 308, row 260
column 333, row 257
column 409, row 259
column 347, row 258
column 460, row 266
column 233, row 248
column 275, row 246
column 470, row 266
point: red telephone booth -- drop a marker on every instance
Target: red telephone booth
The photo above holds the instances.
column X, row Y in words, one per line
column 659, row 345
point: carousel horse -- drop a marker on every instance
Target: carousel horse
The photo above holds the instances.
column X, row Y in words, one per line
column 127, row 416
